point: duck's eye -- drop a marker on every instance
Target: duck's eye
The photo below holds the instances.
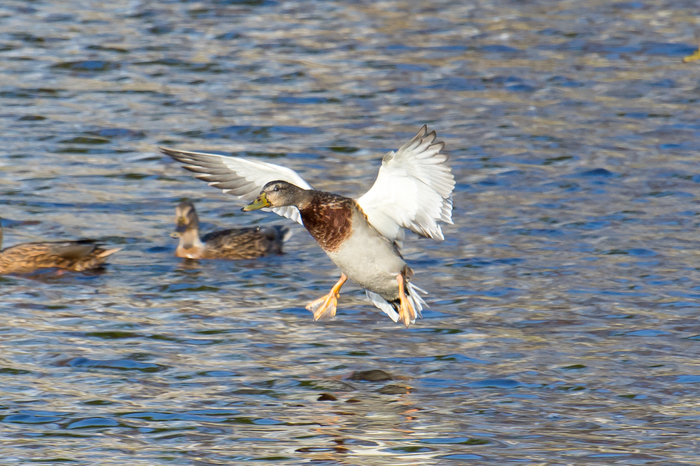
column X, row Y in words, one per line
column 277, row 188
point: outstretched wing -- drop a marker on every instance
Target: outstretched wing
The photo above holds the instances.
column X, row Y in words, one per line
column 243, row 178
column 413, row 190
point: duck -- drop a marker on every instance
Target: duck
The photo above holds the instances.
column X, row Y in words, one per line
column 74, row 256
column 363, row 236
column 235, row 243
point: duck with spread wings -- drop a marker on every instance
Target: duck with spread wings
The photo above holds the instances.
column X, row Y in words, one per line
column 361, row 236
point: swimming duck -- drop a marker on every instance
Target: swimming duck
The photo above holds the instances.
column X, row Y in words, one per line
column 241, row 243
column 361, row 236
column 76, row 256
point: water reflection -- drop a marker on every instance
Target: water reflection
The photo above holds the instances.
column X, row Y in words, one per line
column 564, row 299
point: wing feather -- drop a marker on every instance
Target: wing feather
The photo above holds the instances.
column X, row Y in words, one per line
column 413, row 190
column 243, row 178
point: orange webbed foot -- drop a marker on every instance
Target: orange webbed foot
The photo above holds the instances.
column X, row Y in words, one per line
column 325, row 306
column 407, row 314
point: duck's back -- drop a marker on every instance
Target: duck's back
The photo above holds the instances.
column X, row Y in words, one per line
column 244, row 243
column 76, row 256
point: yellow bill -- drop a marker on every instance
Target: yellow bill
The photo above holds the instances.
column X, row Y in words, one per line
column 260, row 202
column 180, row 229
column 693, row 57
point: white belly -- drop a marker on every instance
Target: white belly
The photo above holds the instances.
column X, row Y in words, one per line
column 370, row 260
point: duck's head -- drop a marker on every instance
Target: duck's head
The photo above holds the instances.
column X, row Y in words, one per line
column 186, row 219
column 278, row 194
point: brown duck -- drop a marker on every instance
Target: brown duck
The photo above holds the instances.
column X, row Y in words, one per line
column 75, row 256
column 236, row 243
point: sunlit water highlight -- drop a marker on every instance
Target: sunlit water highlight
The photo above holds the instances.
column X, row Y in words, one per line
column 563, row 326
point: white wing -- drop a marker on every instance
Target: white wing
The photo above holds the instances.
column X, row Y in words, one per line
column 413, row 190
column 239, row 177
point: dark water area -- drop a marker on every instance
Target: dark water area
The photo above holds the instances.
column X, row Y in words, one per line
column 563, row 326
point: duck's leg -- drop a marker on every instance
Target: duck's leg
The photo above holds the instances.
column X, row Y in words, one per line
column 406, row 312
column 324, row 307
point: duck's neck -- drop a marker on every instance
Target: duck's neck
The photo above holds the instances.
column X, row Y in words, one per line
column 190, row 239
column 303, row 198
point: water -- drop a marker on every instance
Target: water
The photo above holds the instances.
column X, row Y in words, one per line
column 563, row 327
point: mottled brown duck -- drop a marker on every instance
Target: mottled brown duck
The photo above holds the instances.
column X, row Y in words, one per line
column 235, row 243
column 413, row 190
column 76, row 256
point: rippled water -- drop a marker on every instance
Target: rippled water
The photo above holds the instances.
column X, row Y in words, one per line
column 563, row 327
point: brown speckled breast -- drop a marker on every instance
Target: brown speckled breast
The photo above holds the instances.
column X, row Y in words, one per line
column 328, row 217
